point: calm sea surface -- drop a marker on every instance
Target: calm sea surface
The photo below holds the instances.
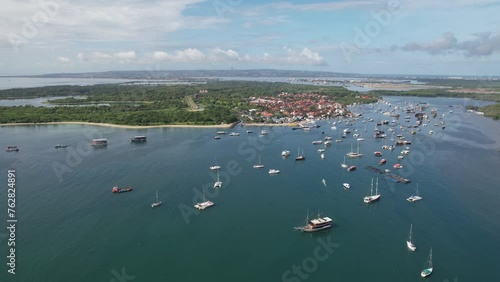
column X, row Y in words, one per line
column 72, row 228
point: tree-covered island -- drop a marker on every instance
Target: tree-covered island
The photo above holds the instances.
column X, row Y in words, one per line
column 210, row 103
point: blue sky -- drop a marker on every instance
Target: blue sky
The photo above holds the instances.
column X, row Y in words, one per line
column 445, row 37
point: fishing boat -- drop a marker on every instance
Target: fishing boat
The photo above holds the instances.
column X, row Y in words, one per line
column 203, row 205
column 285, row 153
column 121, row 190
column 352, row 154
column 415, row 197
column 59, row 146
column 12, row 149
column 409, row 243
column 259, row 165
column 157, row 203
column 99, row 142
column 372, row 198
column 138, row 138
column 347, row 185
column 317, row 224
column 274, row 171
column 427, row 267
column 218, row 183
column 344, row 165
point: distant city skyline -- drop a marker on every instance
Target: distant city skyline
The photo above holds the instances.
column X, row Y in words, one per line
column 424, row 37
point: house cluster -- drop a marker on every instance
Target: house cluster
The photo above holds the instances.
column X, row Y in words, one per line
column 288, row 107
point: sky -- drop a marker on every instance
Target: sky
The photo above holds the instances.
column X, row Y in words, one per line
column 426, row 37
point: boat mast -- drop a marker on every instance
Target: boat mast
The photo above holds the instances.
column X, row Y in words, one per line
column 371, row 189
column 376, row 188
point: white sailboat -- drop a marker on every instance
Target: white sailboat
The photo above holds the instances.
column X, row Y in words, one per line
column 215, row 166
column 343, row 165
column 428, row 266
column 324, row 182
column 218, row 183
column 259, row 165
column 322, row 156
column 157, row 203
column 372, row 198
column 300, row 157
column 409, row 243
column 415, row 197
column 352, row 154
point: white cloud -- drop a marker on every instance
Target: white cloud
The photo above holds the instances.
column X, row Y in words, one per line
column 294, row 57
column 64, row 59
column 218, row 54
column 126, row 56
column 186, row 55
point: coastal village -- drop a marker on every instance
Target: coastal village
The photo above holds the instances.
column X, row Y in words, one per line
column 288, row 108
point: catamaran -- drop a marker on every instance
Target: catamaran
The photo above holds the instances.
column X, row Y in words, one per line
column 218, row 183
column 203, row 205
column 409, row 243
column 428, row 266
column 317, row 224
column 157, row 203
column 372, row 198
column 415, row 197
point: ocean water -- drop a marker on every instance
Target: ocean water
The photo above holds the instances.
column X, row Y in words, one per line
column 72, row 228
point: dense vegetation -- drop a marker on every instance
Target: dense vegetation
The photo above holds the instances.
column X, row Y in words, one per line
column 223, row 102
column 491, row 111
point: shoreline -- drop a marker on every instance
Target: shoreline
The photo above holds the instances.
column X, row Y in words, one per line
column 230, row 125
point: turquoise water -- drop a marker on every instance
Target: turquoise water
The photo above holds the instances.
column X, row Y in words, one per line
column 72, row 228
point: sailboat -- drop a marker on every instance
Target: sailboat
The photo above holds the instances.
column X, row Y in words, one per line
column 352, row 154
column 428, row 266
column 300, row 157
column 372, row 198
column 215, row 166
column 324, row 182
column 409, row 243
column 157, row 203
column 322, row 156
column 415, row 197
column 344, row 165
column 218, row 183
column 203, row 205
column 259, row 165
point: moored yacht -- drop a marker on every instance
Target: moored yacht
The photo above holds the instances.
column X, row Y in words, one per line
column 99, row 142
column 139, row 138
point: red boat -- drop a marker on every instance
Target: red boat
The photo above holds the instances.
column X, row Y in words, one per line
column 377, row 154
column 382, row 161
column 397, row 166
column 351, row 168
column 121, row 190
